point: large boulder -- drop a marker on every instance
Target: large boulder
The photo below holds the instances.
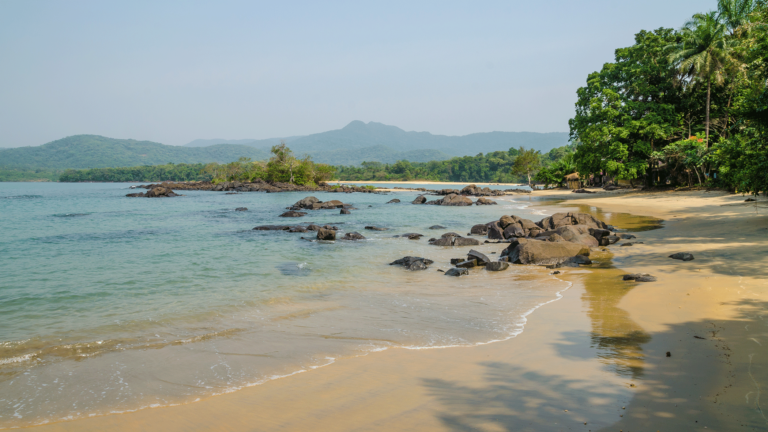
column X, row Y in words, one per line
column 524, row 251
column 479, row 229
column 345, row 212
column 495, row 231
column 558, row 220
column 292, row 213
column 332, row 204
column 453, row 239
column 467, row 263
column 484, row 201
column 155, row 192
column 413, row 263
column 326, row 234
column 305, row 203
column 456, row 200
column 421, row 199
column 574, row 233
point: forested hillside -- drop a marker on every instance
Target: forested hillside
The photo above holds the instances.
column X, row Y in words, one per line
column 93, row 151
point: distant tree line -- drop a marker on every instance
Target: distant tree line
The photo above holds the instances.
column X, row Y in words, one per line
column 154, row 173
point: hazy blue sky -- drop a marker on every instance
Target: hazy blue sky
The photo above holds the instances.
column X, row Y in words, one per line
column 175, row 71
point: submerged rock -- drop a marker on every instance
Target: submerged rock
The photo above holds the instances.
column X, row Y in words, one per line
column 326, row 234
column 421, row 199
column 497, row 266
column 375, row 228
column 413, row 263
column 292, row 213
column 640, row 277
column 394, row 201
column 435, row 227
column 457, row 272
column 345, row 212
column 241, row 209
column 683, row 256
column 353, row 236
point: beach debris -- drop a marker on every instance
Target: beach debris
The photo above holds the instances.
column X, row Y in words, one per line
column 353, row 236
column 435, row 227
column 441, row 270
column 457, row 272
column 413, row 263
column 484, row 201
column 292, row 213
column 421, row 199
column 375, row 228
column 326, row 234
column 683, row 256
column 640, row 277
column 669, row 354
column 699, row 337
column 345, row 211
column 481, row 258
column 394, row 201
column 497, row 266
column 241, row 209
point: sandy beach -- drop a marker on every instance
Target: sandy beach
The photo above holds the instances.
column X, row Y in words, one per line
column 688, row 352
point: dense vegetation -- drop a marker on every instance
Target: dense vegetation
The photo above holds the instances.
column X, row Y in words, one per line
column 22, row 175
column 494, row 167
column 92, row 151
column 682, row 107
column 282, row 167
column 155, row 173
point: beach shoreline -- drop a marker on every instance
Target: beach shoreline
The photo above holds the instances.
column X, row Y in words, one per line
column 594, row 359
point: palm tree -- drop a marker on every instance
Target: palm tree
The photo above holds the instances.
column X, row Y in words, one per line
column 735, row 13
column 705, row 53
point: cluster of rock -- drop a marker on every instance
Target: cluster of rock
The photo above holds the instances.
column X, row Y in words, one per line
column 413, row 263
column 256, row 186
column 452, row 199
column 453, row 239
column 295, row 228
column 312, row 203
column 155, row 192
column 471, row 190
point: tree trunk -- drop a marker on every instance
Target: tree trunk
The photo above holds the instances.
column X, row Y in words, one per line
column 709, row 90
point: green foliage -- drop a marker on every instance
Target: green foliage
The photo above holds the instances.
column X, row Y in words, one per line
column 22, row 175
column 494, row 167
column 526, row 162
column 282, row 167
column 555, row 172
column 645, row 111
column 155, row 173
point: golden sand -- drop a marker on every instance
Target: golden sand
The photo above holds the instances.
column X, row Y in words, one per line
column 595, row 360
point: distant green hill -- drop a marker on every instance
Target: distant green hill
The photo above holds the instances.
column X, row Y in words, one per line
column 379, row 153
column 93, row 151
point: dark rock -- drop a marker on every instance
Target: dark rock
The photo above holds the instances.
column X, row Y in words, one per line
column 292, row 213
column 513, row 230
column 556, row 272
column 640, row 277
column 353, row 236
column 601, row 235
column 418, row 265
column 749, row 200
column 394, row 201
column 464, row 241
column 683, row 256
column 412, row 236
column 481, row 258
column 326, row 234
column 345, row 211
column 441, row 270
column 155, row 192
column 572, row 262
column 272, row 228
column 479, row 229
column 467, row 264
column 582, row 191
column 495, row 232
column 631, row 243
column 497, row 266
column 299, row 229
column 485, row 201
column 456, row 200
column 613, row 239
column 455, row 261
column 437, row 227
column 571, row 218
column 305, row 203
column 442, row 241
column 421, row 199
column 241, row 209
column 574, row 233
column 457, row 272
column 413, row 263
column 627, row 236
column 375, row 228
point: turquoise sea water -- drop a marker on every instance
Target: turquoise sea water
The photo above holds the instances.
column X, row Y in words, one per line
column 110, row 304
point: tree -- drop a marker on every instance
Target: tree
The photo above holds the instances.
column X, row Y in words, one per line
column 704, row 54
column 527, row 162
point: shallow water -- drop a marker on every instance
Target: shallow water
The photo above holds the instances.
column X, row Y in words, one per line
column 111, row 304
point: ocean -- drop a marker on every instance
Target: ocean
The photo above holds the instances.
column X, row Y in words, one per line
column 111, row 304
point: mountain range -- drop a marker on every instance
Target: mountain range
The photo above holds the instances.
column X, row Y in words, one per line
column 355, row 143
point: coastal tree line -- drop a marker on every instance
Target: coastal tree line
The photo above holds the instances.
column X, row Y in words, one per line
column 685, row 106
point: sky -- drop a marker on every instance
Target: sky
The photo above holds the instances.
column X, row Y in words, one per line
column 175, row 71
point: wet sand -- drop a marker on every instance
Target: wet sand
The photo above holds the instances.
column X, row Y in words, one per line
column 597, row 356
